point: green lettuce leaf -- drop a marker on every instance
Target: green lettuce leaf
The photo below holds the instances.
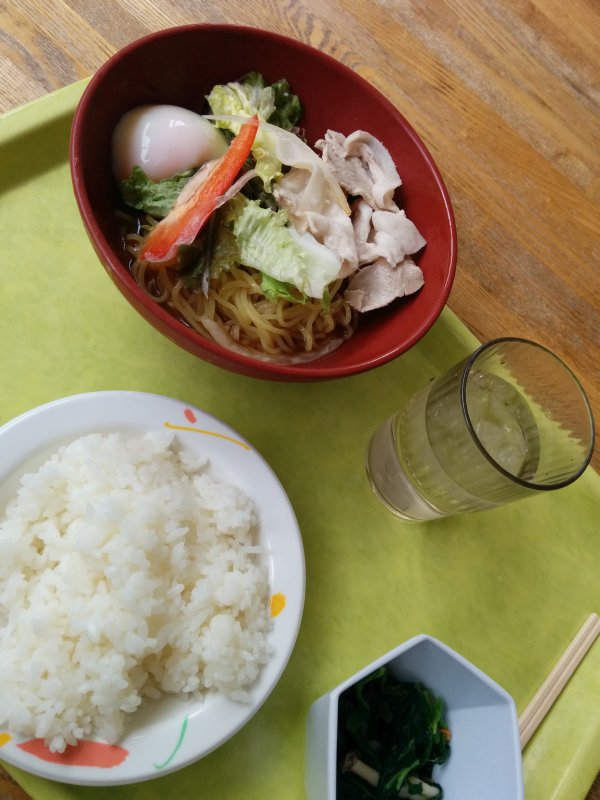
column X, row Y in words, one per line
column 267, row 243
column 215, row 251
column 274, row 289
column 288, row 109
column 292, row 265
column 155, row 198
column 251, row 96
column 226, row 252
column 193, row 265
column 242, row 98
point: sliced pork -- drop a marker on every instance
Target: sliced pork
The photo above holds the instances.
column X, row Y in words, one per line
column 319, row 215
column 384, row 234
column 378, row 284
column 362, row 166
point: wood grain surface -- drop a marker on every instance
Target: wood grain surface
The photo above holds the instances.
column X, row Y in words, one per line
column 505, row 94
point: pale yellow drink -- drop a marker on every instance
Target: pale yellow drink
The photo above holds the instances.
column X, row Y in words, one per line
column 438, row 457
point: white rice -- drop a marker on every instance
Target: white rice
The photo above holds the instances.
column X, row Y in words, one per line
column 126, row 571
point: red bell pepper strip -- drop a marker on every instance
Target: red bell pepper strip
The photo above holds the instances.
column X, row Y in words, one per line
column 184, row 222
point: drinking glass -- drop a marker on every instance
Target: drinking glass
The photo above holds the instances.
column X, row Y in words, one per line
column 508, row 422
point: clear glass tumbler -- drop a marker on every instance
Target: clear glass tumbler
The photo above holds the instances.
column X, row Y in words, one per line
column 508, row 422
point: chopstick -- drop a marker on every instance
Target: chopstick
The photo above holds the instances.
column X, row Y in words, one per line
column 543, row 699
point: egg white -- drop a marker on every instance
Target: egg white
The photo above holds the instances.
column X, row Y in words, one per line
column 163, row 140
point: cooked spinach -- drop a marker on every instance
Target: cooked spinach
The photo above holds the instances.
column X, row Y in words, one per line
column 390, row 736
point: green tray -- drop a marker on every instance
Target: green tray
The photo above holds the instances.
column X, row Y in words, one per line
column 507, row 588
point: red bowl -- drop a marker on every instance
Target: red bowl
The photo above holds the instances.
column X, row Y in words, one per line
column 179, row 66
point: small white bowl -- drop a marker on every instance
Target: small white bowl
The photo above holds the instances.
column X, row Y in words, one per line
column 170, row 733
column 485, row 757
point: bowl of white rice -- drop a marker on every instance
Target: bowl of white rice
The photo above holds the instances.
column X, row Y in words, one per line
column 151, row 586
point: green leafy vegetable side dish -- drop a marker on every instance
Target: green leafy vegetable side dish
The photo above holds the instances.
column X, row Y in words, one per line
column 391, row 734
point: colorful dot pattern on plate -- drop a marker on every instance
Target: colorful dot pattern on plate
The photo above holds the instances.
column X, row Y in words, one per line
column 277, row 604
column 177, row 746
column 191, row 417
column 164, row 740
column 86, row 753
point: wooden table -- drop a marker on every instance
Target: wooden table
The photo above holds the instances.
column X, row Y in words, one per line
column 504, row 94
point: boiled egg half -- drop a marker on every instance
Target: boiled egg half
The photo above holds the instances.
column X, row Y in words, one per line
column 163, row 140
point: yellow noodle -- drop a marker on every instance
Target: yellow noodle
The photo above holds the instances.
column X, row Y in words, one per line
column 237, row 304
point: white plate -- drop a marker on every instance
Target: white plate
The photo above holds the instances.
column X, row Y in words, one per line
column 170, row 733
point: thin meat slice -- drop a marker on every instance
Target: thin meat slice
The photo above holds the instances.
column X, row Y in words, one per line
column 378, row 284
column 362, row 166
